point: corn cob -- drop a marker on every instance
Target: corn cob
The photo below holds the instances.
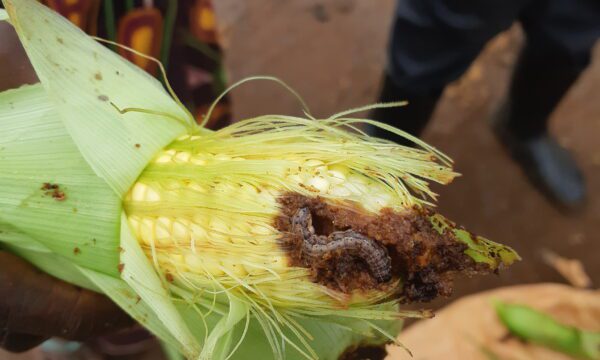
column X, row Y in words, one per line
column 208, row 210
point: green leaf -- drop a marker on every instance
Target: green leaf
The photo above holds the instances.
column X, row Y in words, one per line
column 82, row 79
column 139, row 274
column 80, row 221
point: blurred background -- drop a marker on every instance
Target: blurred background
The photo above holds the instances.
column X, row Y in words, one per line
column 333, row 52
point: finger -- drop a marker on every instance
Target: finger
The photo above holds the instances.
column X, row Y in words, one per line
column 20, row 342
column 32, row 302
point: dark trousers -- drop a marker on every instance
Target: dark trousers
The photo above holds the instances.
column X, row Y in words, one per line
column 433, row 42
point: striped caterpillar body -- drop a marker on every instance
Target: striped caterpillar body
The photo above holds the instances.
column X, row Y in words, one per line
column 347, row 242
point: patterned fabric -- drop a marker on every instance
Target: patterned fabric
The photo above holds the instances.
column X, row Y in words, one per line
column 181, row 34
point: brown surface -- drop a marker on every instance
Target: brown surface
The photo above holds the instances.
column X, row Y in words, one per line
column 454, row 334
column 336, row 64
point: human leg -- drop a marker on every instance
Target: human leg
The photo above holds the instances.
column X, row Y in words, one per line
column 432, row 43
column 559, row 38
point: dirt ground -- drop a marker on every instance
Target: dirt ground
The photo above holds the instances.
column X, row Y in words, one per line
column 333, row 53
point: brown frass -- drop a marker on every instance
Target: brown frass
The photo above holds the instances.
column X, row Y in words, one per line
column 54, row 191
column 424, row 260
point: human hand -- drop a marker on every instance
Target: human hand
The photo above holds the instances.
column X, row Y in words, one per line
column 35, row 306
column 16, row 69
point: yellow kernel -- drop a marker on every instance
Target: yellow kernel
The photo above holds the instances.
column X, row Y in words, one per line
column 219, row 230
column 239, row 230
column 245, row 187
column 376, row 202
column 163, row 230
column 358, row 179
column 198, row 161
column 176, row 259
column 313, row 163
column 261, row 230
column 147, row 231
column 138, row 193
column 279, row 261
column 224, row 188
column 342, row 169
column 197, row 187
column 222, row 157
column 213, row 267
column 320, row 170
column 183, row 157
column 266, row 198
column 198, row 237
column 181, row 230
column 340, row 191
column 163, row 159
column 336, row 176
column 152, row 195
column 236, row 268
column 194, row 262
column 295, row 178
column 201, row 219
column 319, row 183
column 357, row 188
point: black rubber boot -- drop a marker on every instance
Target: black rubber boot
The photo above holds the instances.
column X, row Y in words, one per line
column 411, row 118
column 539, row 83
column 548, row 166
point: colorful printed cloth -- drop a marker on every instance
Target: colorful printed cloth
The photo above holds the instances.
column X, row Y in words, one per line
column 181, row 34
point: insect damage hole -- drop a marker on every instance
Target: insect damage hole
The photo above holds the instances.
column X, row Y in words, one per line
column 341, row 250
column 322, row 225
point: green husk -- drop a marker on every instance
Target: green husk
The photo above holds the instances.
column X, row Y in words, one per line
column 82, row 79
column 35, row 149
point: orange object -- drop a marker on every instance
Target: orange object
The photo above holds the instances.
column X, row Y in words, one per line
column 142, row 30
column 202, row 21
column 82, row 13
